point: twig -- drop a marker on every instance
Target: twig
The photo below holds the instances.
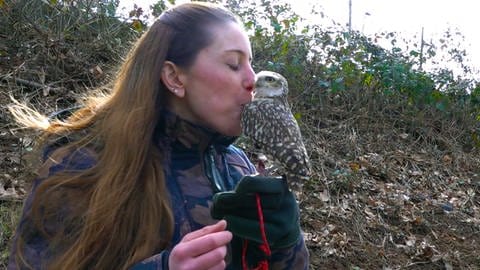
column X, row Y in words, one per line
column 28, row 83
column 46, row 88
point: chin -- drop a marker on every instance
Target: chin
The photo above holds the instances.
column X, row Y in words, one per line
column 232, row 131
column 230, row 126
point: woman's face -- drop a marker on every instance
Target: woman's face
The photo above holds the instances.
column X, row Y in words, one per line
column 219, row 83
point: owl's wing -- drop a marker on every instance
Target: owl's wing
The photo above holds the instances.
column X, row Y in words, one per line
column 272, row 125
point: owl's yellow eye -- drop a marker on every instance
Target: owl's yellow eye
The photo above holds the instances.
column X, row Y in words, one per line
column 269, row 79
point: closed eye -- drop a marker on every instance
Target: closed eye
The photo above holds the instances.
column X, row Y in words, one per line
column 233, row 67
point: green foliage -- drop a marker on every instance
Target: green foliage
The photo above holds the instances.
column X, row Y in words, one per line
column 70, row 39
column 159, row 7
column 320, row 61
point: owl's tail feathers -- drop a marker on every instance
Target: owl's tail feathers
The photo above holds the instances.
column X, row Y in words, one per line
column 295, row 184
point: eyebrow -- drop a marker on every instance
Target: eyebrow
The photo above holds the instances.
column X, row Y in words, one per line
column 239, row 52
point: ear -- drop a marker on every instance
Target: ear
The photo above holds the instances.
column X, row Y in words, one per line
column 171, row 78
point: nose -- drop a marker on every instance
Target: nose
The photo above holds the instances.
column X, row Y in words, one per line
column 249, row 79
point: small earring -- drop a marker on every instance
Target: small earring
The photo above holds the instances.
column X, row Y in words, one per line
column 175, row 90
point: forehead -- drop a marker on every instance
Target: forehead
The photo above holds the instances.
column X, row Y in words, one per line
column 229, row 38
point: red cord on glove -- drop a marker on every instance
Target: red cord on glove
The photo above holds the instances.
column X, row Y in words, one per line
column 262, row 265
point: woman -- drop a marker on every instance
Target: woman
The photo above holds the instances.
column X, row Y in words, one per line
column 127, row 181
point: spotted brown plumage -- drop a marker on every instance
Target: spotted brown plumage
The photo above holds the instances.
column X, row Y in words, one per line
column 270, row 124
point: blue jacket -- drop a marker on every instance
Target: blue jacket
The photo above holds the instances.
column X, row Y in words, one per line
column 195, row 158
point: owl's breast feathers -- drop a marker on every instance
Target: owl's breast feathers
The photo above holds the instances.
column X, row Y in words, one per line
column 270, row 124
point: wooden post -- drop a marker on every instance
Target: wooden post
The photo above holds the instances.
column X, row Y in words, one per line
column 421, row 50
column 349, row 15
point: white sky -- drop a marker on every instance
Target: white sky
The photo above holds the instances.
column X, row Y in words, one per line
column 403, row 16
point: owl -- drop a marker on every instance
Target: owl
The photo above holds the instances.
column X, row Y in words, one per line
column 270, row 124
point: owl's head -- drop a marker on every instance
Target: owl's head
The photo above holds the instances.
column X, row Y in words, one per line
column 270, row 84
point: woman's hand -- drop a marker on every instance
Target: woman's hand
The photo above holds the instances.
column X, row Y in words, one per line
column 204, row 249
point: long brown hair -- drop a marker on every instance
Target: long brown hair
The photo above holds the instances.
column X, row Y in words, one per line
column 119, row 209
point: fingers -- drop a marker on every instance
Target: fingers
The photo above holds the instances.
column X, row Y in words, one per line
column 208, row 243
column 220, row 266
column 204, row 249
column 217, row 227
column 213, row 259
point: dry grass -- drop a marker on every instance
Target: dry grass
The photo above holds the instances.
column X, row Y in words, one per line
column 394, row 188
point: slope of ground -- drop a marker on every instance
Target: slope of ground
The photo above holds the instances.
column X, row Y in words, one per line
column 389, row 190
column 392, row 191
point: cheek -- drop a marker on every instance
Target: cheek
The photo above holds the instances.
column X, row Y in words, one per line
column 218, row 89
column 211, row 73
column 215, row 81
